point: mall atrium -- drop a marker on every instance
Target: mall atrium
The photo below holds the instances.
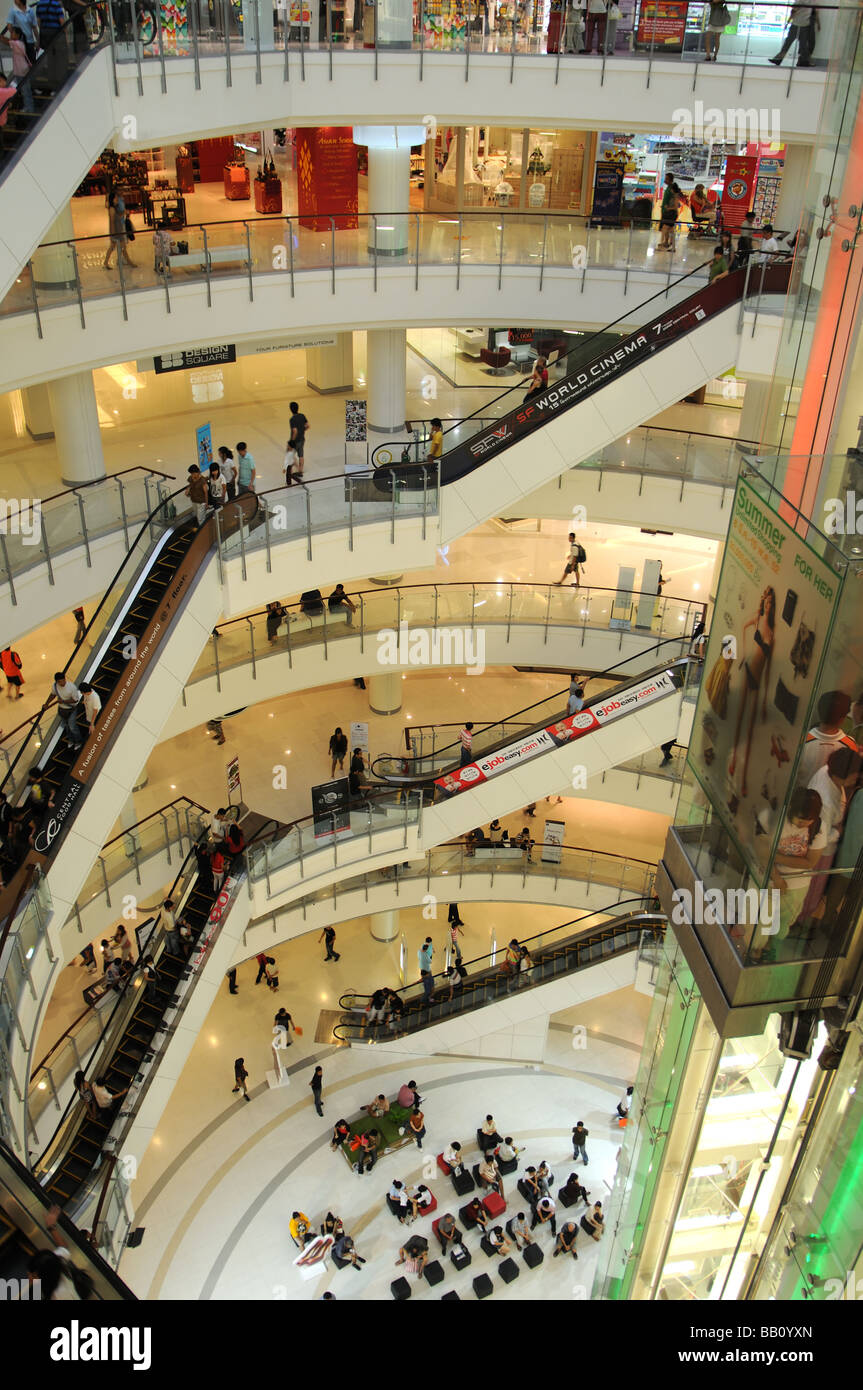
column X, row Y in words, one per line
column 427, row 430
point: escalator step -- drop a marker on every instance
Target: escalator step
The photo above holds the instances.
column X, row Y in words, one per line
column 77, row 1168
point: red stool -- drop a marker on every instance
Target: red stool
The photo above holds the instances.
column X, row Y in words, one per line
column 432, row 1206
column 494, row 1204
column 443, row 1165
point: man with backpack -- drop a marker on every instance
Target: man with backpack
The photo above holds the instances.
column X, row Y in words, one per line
column 575, row 559
column 11, row 664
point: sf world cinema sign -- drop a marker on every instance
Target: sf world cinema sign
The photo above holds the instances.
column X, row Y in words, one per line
column 574, row 726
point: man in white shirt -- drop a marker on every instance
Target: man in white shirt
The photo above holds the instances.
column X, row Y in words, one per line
column 68, row 698
column 91, row 703
column 452, row 1156
column 799, row 22
column 769, row 245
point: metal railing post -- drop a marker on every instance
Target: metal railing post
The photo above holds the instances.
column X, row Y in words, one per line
column 547, row 614
column 112, row 41
column 302, row 47
column 745, row 56
column 267, row 539
column 163, row 80
column 350, row 482
column 226, row 24
column 512, row 51
column 78, row 284
column 218, row 526
column 35, row 299
column 291, row 254
column 500, row 258
column 417, row 267
column 544, row 239
column 374, row 218
column 286, row 74
column 46, row 548
column 330, row 36
column 192, row 12
column 458, row 262
column 375, row 34
column 250, row 621
column 137, row 46
column 509, row 616
column 333, row 253
column 308, row 522
column 8, row 569
column 83, row 517
column 563, row 19
column 467, row 44
column 392, row 508
column 422, row 35
column 249, row 264
column 425, row 498
column 122, row 285
column 258, row 6
column 207, row 267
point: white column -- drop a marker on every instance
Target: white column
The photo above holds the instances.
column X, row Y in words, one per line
column 384, row 926
column 386, row 355
column 76, row 428
column 792, row 190
column 37, row 411
column 331, row 368
column 54, row 265
column 385, row 693
column 389, row 200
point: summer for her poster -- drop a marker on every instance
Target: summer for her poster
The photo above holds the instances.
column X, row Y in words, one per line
column 771, row 620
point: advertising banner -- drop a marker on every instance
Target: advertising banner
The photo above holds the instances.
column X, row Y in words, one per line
column 661, row 25
column 552, row 841
column 571, row 727
column 184, row 359
column 204, row 446
column 607, row 194
column 327, row 177
column 773, row 611
column 330, row 808
column 738, row 192
column 356, row 429
column 359, row 736
column 233, row 779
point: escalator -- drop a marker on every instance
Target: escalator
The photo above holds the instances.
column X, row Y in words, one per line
column 592, row 371
column 25, row 1229
column 80, row 1141
column 432, row 757
column 120, row 647
column 571, row 947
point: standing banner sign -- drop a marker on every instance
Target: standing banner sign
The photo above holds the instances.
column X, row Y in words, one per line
column 776, row 596
column 233, row 776
column 738, row 191
column 607, row 194
column 661, row 25
column 552, row 841
column 359, row 737
column 330, row 808
column 327, row 177
column 204, row 446
column 356, row 430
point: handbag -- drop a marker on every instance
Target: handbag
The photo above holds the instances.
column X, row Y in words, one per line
column 130, row 230
column 615, row 12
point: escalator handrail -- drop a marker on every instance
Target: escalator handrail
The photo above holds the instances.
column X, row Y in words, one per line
column 520, row 385
column 48, row 53
column 618, row 920
column 355, row 804
column 109, row 592
column 563, row 694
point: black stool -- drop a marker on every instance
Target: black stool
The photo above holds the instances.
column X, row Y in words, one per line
column 400, row 1289
column 460, row 1258
column 462, row 1182
column 433, row 1272
column 532, row 1256
column 451, row 1297
column 508, row 1270
column 482, row 1286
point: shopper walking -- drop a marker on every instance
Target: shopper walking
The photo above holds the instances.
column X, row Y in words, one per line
column 424, row 955
column 668, row 215
column 329, row 935
column 455, row 932
column 718, row 19
column 299, row 428
column 576, row 556
column 247, row 470
column 80, row 625
column 801, row 28
column 596, row 19
column 240, row 1077
column 117, row 230
column 316, row 1085
column 466, row 737
column 11, row 664
column 579, row 1142
column 338, row 749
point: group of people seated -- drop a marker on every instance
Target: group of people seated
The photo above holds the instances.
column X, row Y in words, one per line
column 303, row 1233
column 499, row 837
column 407, row 1203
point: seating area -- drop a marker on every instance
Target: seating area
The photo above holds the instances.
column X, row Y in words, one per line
column 496, row 360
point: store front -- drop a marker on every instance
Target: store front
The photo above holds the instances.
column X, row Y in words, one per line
column 474, row 167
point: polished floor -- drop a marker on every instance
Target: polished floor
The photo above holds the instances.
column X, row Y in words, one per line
column 219, row 1181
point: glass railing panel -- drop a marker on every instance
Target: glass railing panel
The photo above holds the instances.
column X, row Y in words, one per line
column 439, row 238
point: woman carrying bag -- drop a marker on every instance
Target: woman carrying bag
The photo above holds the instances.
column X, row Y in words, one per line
column 717, row 20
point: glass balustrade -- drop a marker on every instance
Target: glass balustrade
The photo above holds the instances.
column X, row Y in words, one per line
column 267, row 247
column 433, row 607
column 77, row 518
column 394, row 810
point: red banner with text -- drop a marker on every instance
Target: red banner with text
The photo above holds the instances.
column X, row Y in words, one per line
column 327, row 177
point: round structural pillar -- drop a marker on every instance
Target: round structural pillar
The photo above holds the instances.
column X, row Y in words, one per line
column 389, row 200
column 76, row 428
column 385, row 693
column 386, row 354
column 54, row 261
column 384, row 926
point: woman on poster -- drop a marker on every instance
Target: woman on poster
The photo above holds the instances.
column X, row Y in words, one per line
column 756, row 674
